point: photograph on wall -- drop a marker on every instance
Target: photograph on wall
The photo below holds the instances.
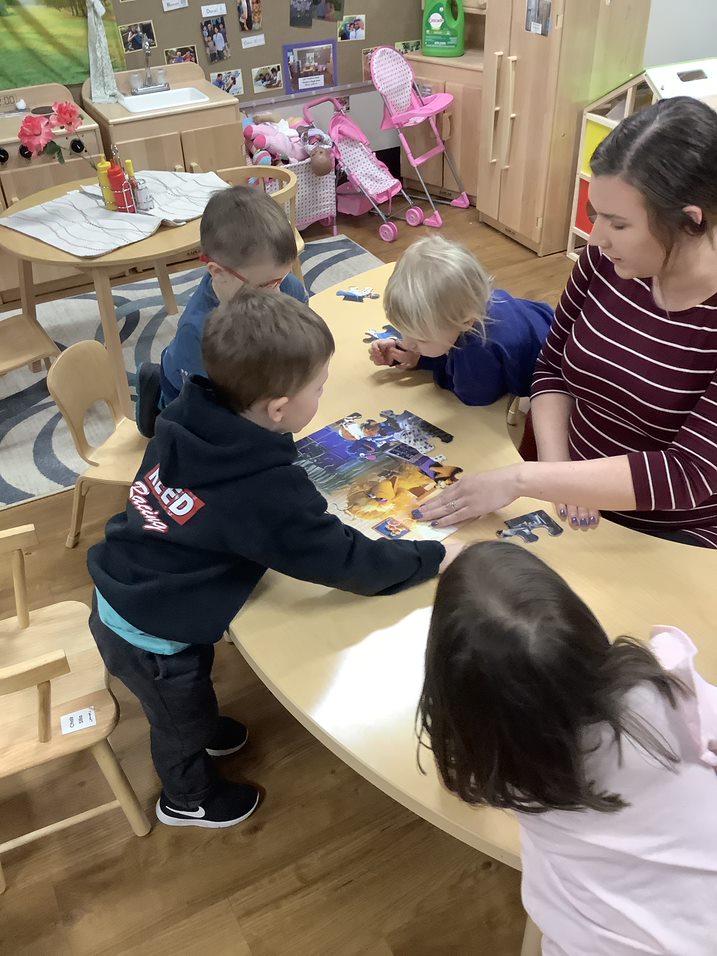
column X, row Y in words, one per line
column 310, row 66
column 230, row 81
column 267, row 78
column 249, row 12
column 408, row 46
column 300, row 14
column 47, row 43
column 537, row 17
column 352, row 28
column 181, row 54
column 366, row 54
column 133, row 35
column 328, row 10
column 214, row 34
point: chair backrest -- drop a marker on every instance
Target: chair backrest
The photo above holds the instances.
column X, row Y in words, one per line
column 13, row 542
column 81, row 376
column 393, row 78
column 277, row 181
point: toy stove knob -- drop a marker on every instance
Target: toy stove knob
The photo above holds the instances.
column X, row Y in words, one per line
column 77, row 146
column 4, row 156
column 25, row 152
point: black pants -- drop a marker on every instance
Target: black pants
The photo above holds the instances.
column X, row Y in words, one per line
column 177, row 696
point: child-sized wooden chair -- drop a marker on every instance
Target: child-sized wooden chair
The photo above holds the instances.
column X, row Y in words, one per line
column 79, row 378
column 285, row 195
column 49, row 668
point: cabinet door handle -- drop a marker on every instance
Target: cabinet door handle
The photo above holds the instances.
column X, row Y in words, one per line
column 512, row 61
column 447, row 124
column 495, row 109
column 179, row 169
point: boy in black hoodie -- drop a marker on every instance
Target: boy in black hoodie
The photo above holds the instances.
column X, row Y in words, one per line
column 217, row 501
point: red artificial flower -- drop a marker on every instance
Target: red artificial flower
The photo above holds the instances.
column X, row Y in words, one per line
column 66, row 114
column 35, row 133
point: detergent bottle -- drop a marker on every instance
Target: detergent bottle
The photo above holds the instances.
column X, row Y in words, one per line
column 443, row 28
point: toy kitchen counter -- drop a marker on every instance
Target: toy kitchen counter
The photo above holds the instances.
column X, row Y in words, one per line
column 184, row 123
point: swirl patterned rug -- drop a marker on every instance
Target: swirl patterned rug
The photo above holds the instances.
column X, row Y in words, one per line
column 37, row 456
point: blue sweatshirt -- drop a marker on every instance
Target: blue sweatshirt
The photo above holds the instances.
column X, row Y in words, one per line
column 183, row 355
column 478, row 372
column 218, row 500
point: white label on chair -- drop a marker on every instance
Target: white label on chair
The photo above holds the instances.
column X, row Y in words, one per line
column 78, row 720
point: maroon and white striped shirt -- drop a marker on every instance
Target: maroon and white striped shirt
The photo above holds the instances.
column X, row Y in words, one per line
column 645, row 385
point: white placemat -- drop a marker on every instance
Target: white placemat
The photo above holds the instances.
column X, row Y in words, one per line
column 79, row 224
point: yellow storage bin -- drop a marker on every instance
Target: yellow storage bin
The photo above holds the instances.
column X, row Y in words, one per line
column 595, row 132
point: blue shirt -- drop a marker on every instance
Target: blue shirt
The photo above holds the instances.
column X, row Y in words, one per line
column 133, row 635
column 480, row 371
column 183, row 355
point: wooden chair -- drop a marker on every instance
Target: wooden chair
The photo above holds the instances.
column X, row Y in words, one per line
column 81, row 376
column 285, row 195
column 50, row 667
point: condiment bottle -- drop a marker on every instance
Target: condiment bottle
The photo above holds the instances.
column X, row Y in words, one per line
column 103, row 169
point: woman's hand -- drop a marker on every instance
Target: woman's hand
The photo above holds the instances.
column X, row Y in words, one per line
column 471, row 497
column 388, row 352
column 577, row 517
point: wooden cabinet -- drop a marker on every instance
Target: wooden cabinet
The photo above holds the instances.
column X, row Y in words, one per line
column 214, row 147
column 154, row 152
column 535, row 88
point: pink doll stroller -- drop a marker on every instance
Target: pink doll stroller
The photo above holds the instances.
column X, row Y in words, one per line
column 369, row 182
column 404, row 106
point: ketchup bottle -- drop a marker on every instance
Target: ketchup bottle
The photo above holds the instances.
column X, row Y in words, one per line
column 121, row 189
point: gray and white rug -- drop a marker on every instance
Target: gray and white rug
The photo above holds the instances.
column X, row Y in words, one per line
column 37, row 456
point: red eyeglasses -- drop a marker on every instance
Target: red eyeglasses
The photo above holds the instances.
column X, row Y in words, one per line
column 271, row 284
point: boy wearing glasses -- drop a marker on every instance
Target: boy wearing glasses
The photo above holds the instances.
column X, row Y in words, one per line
column 246, row 239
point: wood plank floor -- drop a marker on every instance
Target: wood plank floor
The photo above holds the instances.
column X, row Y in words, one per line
column 328, row 866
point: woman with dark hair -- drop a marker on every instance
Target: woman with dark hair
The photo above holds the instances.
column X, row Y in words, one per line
column 607, row 752
column 624, row 397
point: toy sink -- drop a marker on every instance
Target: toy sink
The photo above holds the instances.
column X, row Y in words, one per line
column 167, row 99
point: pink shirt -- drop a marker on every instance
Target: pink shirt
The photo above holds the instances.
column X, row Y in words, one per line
column 642, row 880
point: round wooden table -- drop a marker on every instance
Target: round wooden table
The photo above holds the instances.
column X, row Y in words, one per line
column 350, row 668
column 157, row 250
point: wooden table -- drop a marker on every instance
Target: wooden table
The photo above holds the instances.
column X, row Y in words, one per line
column 350, row 668
column 22, row 339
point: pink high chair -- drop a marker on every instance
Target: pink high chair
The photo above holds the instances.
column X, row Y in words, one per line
column 404, row 106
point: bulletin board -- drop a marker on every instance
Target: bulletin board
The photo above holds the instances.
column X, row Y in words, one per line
column 269, row 48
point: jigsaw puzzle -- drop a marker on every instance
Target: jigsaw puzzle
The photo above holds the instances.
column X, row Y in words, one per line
column 525, row 526
column 374, row 472
column 378, row 335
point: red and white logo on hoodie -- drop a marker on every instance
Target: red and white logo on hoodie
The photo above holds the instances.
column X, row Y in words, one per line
column 179, row 504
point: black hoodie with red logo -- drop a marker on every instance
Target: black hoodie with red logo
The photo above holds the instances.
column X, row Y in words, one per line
column 217, row 501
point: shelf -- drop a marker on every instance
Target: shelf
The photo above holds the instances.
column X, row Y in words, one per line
column 22, row 343
column 471, row 60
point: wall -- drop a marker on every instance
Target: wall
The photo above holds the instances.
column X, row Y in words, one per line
column 681, row 30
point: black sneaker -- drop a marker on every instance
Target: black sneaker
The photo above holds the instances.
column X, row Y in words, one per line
column 230, row 737
column 149, row 395
column 229, row 805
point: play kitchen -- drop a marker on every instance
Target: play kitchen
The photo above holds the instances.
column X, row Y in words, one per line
column 21, row 174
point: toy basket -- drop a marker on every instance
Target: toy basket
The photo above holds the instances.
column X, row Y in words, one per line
column 315, row 196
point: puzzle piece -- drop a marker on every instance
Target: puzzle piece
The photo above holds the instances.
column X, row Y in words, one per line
column 376, row 335
column 354, row 294
column 525, row 527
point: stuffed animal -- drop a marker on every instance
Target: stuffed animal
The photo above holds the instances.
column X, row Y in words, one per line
column 278, row 138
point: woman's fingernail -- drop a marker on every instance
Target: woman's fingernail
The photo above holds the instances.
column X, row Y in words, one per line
column 434, row 524
column 583, row 522
column 593, row 519
column 574, row 519
column 563, row 513
column 416, row 514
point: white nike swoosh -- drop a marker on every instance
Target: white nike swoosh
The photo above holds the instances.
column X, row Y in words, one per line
column 190, row 813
